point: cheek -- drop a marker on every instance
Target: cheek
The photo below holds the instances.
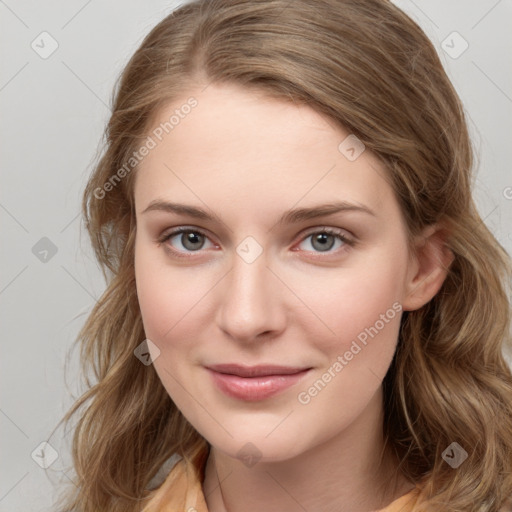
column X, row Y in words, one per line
column 154, row 302
column 353, row 301
column 363, row 309
column 175, row 305
column 163, row 297
column 166, row 301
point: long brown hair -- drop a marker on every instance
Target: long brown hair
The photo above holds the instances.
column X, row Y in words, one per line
column 372, row 70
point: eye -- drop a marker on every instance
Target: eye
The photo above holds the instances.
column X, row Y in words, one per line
column 326, row 239
column 183, row 240
column 187, row 240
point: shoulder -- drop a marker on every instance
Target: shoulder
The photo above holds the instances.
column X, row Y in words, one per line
column 180, row 490
column 405, row 503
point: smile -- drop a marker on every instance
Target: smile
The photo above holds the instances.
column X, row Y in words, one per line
column 254, row 383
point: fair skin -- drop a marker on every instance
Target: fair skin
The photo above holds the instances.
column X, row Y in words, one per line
column 248, row 159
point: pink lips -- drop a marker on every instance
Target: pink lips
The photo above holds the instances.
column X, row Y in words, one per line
column 253, row 383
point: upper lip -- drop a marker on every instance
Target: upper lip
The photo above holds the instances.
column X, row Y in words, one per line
column 255, row 371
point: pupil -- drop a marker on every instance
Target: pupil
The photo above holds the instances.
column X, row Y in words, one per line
column 322, row 239
column 191, row 239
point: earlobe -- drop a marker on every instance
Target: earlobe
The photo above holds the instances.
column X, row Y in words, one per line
column 429, row 267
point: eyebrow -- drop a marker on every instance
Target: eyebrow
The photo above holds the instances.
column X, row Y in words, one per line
column 291, row 216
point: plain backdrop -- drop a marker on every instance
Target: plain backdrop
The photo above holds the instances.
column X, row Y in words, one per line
column 54, row 109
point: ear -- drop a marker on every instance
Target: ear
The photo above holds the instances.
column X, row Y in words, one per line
column 428, row 267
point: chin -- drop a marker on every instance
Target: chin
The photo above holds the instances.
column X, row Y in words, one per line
column 254, row 445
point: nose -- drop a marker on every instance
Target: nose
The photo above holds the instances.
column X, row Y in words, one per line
column 250, row 301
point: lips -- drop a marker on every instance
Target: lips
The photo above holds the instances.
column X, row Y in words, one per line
column 254, row 383
column 255, row 371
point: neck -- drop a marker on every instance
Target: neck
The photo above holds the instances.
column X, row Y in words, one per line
column 352, row 471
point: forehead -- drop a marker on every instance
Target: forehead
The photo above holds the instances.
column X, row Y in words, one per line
column 237, row 142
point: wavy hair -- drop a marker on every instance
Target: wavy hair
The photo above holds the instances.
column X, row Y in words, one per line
column 370, row 69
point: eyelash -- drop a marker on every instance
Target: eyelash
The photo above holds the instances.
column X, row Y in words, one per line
column 324, row 230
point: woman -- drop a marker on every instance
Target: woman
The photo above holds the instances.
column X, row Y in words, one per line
column 304, row 309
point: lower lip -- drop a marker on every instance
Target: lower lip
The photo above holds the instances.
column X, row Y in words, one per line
column 253, row 389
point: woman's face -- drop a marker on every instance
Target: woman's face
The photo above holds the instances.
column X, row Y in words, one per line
column 295, row 256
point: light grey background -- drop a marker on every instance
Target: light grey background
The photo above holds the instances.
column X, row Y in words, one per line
column 53, row 113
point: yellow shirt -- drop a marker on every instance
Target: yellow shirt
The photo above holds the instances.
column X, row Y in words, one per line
column 182, row 491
